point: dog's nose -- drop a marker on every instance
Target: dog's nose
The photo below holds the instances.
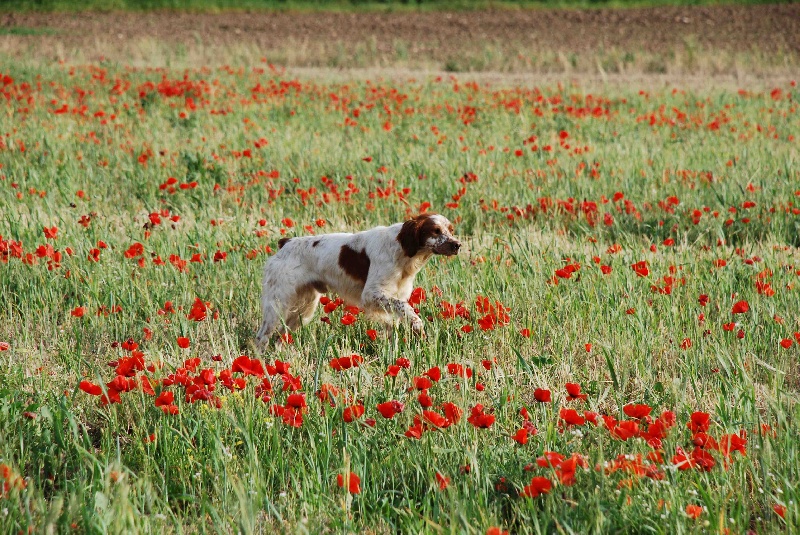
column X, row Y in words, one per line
column 456, row 245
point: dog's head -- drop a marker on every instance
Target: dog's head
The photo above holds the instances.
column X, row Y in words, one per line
column 428, row 232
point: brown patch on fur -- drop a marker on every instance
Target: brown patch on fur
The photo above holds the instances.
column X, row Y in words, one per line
column 282, row 242
column 415, row 232
column 353, row 263
column 428, row 229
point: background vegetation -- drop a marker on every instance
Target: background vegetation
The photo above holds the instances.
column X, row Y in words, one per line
column 558, row 193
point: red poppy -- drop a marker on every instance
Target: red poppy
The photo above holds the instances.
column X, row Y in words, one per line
column 296, row 401
column 452, row 411
column 78, row 312
column 574, row 392
column 487, row 323
column 183, row 342
column 637, row 411
column 460, row 370
column 353, row 482
column 50, row 233
column 699, row 422
column 538, row 486
column 421, row 383
column 389, row 408
column 521, row 436
column 479, row 418
column 434, row 373
column 165, row 398
column 550, row 458
column 780, row 510
column 248, row 366
column 291, row 382
column 170, row 409
column 740, row 307
column 571, row 417
column 425, row 400
column 345, row 363
column 668, row 419
column 348, row 319
column 694, row 511
column 730, row 443
column 90, row 388
column 292, row 417
column 417, row 296
column 415, row 431
column 442, row 480
column 542, row 395
column 625, row 429
column 591, row 416
column 786, row 343
column 640, row 268
column 352, row 413
column 435, row 419
column 566, row 470
column 703, row 460
column 198, row 310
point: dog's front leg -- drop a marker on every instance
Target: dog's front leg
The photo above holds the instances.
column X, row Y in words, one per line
column 375, row 298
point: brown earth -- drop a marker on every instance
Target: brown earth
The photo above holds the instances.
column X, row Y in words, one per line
column 656, row 40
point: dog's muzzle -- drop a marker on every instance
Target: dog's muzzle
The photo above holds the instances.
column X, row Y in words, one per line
column 448, row 248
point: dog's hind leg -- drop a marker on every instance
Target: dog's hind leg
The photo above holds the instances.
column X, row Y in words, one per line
column 274, row 300
column 301, row 307
column 309, row 300
column 269, row 324
column 309, row 308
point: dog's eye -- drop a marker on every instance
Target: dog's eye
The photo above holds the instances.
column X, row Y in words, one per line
column 436, row 232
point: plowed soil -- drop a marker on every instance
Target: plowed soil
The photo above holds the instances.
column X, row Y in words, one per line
column 385, row 38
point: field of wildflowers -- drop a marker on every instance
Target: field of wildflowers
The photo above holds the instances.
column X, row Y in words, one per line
column 615, row 350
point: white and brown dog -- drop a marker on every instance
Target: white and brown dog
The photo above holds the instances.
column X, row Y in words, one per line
column 373, row 270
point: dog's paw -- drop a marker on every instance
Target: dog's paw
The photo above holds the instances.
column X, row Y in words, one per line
column 418, row 327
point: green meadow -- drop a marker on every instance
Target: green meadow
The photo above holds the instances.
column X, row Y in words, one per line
column 638, row 244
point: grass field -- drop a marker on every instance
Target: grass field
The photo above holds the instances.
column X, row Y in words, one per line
column 639, row 246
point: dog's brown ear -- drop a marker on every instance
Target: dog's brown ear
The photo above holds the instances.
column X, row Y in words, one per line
column 408, row 239
column 411, row 236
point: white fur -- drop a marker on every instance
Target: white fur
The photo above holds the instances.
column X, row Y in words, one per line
column 294, row 277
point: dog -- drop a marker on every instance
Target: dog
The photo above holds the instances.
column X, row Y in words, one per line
column 373, row 269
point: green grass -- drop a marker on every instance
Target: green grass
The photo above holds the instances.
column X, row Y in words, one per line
column 337, row 5
column 522, row 215
column 25, row 30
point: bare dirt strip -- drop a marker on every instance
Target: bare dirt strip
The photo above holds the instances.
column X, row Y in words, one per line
column 651, row 40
